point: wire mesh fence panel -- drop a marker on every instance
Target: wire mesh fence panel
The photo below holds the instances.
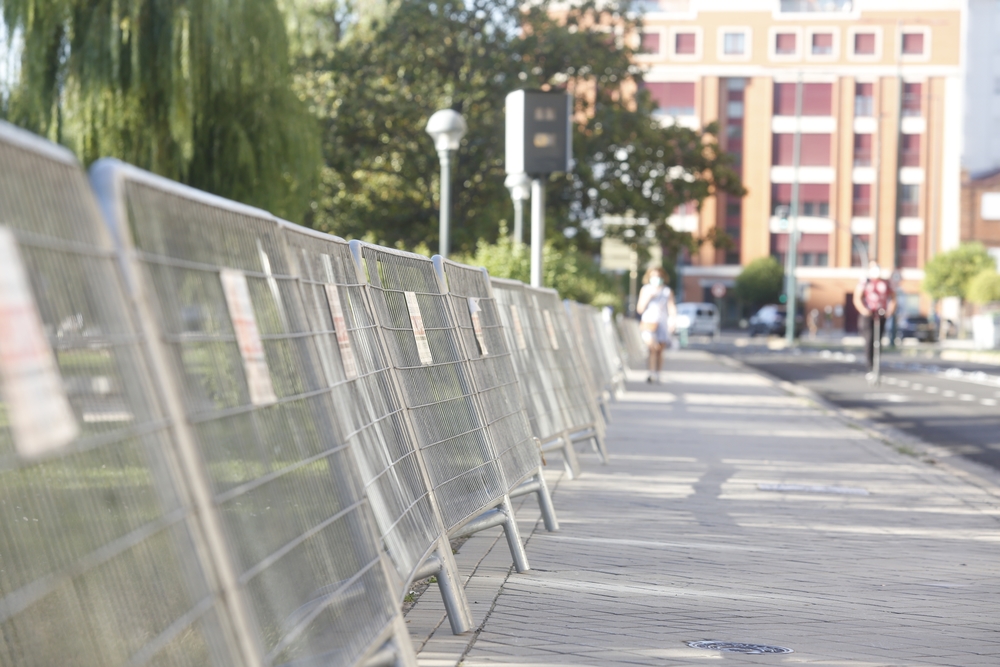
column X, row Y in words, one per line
column 480, row 328
column 233, row 328
column 631, row 336
column 435, row 381
column 579, row 408
column 359, row 376
column 540, row 379
column 593, row 363
column 100, row 549
column 609, row 343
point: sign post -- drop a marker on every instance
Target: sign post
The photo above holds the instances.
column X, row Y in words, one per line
column 538, row 143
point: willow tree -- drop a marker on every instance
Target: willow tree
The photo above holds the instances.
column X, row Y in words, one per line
column 195, row 90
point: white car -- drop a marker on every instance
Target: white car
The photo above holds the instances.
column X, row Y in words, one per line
column 700, row 319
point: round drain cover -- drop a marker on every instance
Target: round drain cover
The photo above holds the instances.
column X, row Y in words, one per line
column 738, row 647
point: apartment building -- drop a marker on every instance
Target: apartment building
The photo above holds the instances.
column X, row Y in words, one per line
column 880, row 123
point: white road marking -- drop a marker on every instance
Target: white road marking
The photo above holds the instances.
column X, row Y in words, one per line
column 966, row 397
column 932, row 390
column 947, row 393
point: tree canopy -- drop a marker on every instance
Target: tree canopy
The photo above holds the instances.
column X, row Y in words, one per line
column 948, row 274
column 984, row 288
column 376, row 92
column 760, row 282
column 199, row 92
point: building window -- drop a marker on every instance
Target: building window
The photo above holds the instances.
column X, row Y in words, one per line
column 785, row 43
column 864, row 101
column 909, row 201
column 685, row 44
column 864, row 44
column 814, row 199
column 859, row 249
column 814, row 150
column 908, row 251
column 827, row 6
column 673, row 99
column 650, row 43
column 822, row 43
column 813, row 249
column 912, row 102
column 913, row 43
column 817, row 99
column 909, row 154
column 734, row 109
column 861, row 204
column 734, row 44
column 862, row 150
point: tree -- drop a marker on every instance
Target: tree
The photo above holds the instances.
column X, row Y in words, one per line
column 375, row 93
column 948, row 274
column 760, row 282
column 984, row 288
column 199, row 92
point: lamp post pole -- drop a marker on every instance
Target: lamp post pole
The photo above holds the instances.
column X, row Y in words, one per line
column 444, row 225
column 446, row 127
column 537, row 230
column 520, row 191
column 791, row 287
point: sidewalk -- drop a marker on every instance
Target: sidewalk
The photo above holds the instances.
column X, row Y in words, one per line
column 677, row 541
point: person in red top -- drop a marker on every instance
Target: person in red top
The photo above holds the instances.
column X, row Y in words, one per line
column 873, row 297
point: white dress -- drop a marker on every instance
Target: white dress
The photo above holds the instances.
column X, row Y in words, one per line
column 656, row 311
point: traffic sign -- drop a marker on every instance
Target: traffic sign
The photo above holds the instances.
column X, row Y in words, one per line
column 718, row 290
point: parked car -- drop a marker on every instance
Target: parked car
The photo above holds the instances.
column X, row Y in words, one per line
column 702, row 318
column 770, row 321
column 916, row 326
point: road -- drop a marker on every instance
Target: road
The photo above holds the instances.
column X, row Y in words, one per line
column 953, row 406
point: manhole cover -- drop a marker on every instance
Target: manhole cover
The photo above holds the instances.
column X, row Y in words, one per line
column 738, row 647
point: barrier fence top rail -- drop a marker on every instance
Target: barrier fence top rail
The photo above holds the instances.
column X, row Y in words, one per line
column 477, row 315
column 364, row 391
column 542, row 383
column 234, row 341
column 437, row 387
column 103, row 560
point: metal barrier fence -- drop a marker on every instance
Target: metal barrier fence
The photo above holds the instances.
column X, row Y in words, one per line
column 102, row 549
column 593, row 364
column 411, row 307
column 495, row 381
column 373, row 417
column 541, row 379
column 293, row 537
column 635, row 349
column 229, row 440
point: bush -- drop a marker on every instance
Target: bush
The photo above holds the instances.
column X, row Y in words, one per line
column 572, row 273
column 950, row 273
column 761, row 281
column 984, row 288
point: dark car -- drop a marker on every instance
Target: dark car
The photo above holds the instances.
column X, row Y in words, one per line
column 770, row 321
column 916, row 326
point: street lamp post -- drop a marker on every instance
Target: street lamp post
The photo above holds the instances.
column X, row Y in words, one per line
column 791, row 287
column 520, row 192
column 446, row 127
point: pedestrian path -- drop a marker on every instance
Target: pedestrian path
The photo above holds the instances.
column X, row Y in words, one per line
column 733, row 510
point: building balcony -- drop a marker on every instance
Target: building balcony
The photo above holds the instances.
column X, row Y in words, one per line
column 786, row 174
column 816, row 6
column 805, row 125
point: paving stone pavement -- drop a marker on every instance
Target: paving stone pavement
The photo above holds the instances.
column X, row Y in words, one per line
column 676, row 540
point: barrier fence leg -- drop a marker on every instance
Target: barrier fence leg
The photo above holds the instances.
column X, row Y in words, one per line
column 604, row 411
column 514, row 537
column 452, row 592
column 398, row 651
column 600, row 448
column 545, row 504
column 570, row 460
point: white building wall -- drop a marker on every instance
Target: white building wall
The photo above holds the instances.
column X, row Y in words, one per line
column 981, row 145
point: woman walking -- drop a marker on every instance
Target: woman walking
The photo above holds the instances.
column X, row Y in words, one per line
column 658, row 311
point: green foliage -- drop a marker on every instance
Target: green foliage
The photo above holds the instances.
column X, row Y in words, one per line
column 376, row 92
column 566, row 269
column 949, row 273
column 761, row 282
column 199, row 92
column 984, row 287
